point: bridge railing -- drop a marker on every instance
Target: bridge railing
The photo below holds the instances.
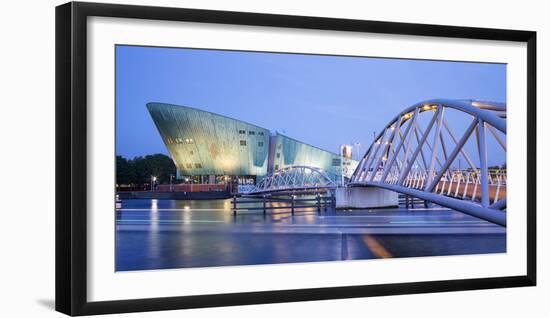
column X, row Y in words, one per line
column 463, row 184
column 282, row 203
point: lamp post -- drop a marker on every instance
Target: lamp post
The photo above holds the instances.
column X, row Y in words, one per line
column 358, row 146
column 153, row 180
column 342, row 164
column 171, row 176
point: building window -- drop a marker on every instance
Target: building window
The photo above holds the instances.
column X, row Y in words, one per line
column 243, row 142
column 242, row 132
column 260, row 143
column 189, row 140
column 278, row 155
column 250, row 132
column 276, row 167
column 335, row 162
column 198, row 165
column 261, row 133
column 189, row 166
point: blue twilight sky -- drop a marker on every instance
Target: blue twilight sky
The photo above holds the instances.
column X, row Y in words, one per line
column 322, row 100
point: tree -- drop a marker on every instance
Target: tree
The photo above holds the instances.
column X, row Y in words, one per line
column 138, row 171
column 160, row 166
column 124, row 171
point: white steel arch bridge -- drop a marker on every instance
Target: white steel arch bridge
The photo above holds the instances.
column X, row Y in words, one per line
column 294, row 178
column 418, row 150
column 420, row 153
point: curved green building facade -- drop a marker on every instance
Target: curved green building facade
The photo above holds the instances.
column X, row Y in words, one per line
column 202, row 143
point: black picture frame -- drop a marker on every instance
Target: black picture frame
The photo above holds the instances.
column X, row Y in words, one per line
column 71, row 157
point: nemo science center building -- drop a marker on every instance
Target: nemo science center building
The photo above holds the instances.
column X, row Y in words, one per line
column 209, row 148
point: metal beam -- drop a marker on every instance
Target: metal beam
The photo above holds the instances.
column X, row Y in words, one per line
column 464, row 154
column 405, row 171
column 482, row 149
column 453, row 155
column 421, row 149
column 499, row 205
column 436, row 139
column 467, row 207
column 427, row 143
column 386, row 146
column 397, row 149
column 497, row 137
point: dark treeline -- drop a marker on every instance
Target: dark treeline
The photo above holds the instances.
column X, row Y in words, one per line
column 138, row 171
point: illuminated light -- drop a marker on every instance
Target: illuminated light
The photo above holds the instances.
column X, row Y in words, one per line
column 426, row 107
column 384, row 158
column 186, row 207
column 378, row 142
column 387, row 142
column 376, row 248
column 154, row 179
column 407, row 115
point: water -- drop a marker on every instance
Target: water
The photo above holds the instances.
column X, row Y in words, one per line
column 162, row 234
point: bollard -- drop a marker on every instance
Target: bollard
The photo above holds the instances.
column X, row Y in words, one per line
column 292, row 205
column 234, row 205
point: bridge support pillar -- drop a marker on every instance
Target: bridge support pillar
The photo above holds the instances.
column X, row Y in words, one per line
column 365, row 198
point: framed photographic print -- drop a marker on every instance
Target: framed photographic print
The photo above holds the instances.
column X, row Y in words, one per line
column 210, row 158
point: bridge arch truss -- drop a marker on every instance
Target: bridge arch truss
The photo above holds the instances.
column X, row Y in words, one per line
column 294, row 178
column 439, row 150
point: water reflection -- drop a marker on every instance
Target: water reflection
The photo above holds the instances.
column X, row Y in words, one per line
column 154, row 234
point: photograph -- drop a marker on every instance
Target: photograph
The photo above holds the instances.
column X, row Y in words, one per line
column 248, row 158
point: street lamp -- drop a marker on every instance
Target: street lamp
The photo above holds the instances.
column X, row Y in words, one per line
column 342, row 164
column 153, row 180
column 357, row 145
column 171, row 176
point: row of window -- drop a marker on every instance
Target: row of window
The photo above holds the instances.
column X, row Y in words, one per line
column 179, row 140
column 250, row 132
column 243, row 143
column 191, row 141
column 336, row 162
